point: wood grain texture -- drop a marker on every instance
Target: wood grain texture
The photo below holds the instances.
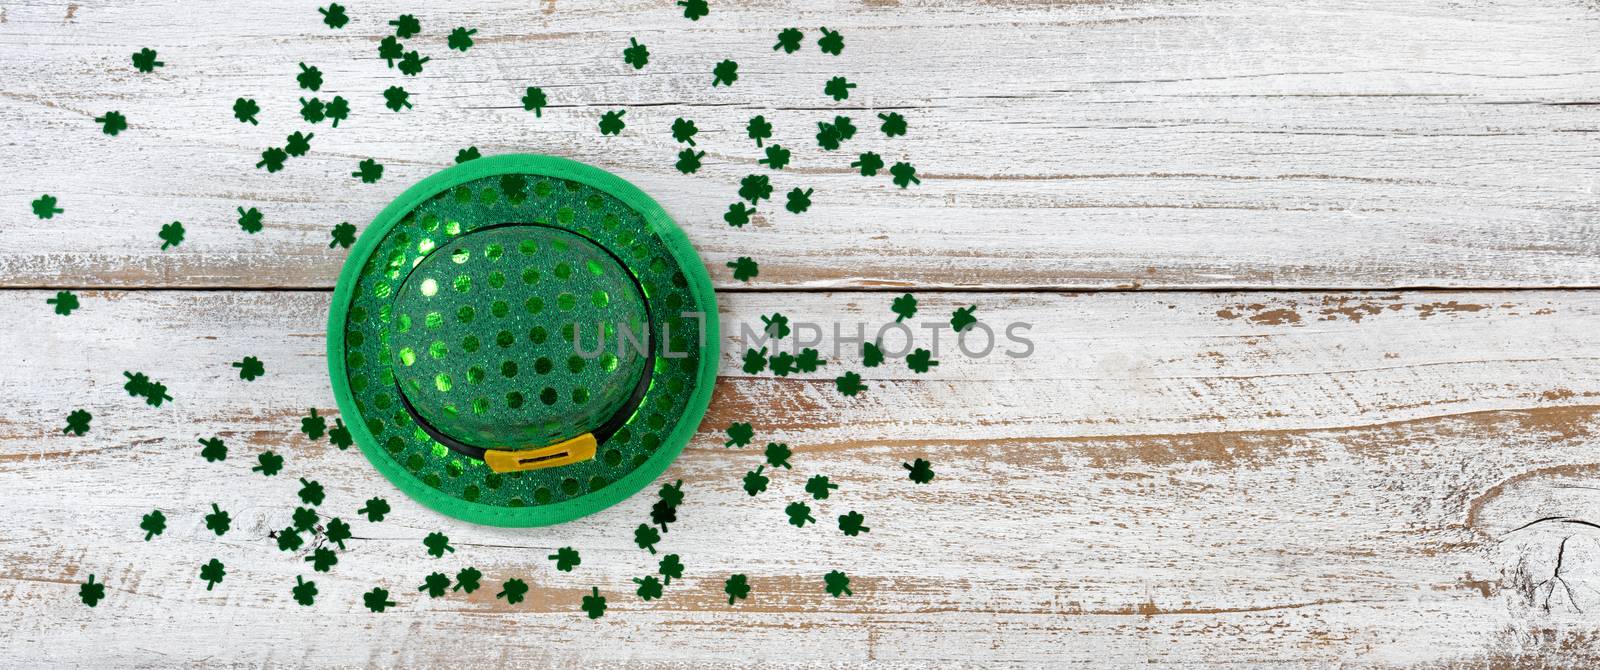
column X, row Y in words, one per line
column 1324, row 144
column 1271, row 479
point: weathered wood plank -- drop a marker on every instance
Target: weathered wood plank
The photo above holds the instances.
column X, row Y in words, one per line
column 1281, row 479
column 1150, row 144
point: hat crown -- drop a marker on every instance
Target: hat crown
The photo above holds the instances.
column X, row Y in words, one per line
column 517, row 336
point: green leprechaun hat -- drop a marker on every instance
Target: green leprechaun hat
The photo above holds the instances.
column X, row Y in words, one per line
column 521, row 340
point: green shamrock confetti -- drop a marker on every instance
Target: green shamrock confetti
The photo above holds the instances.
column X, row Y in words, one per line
column 838, row 88
column 250, row 220
column 646, row 537
column 754, row 481
column 636, row 55
column 268, row 463
column 783, row 364
column 313, row 110
column 304, row 592
column 112, row 123
column 311, row 492
column 611, row 122
column 289, row 539
column 789, row 40
column 375, row 509
column 963, row 319
column 566, row 559
column 272, row 159
column 461, row 38
column 467, row 580
column 344, row 235
column 849, row 384
column 775, row 326
column 869, row 163
column 298, row 144
column 337, row 531
column 78, row 422
column 377, row 599
column 334, row 16
column 692, row 10
column 799, row 201
column 894, row 125
column 921, row 360
column 649, row 587
column 836, row 584
column 369, row 171
column 338, row 110
column 91, row 593
column 758, row 129
column 684, row 130
column 390, row 50
column 755, row 360
column 406, row 26
column 322, row 559
column 799, row 514
column 852, row 524
column 218, row 521
column 65, row 302
column 736, row 587
column 830, row 42
column 437, row 545
column 809, row 360
column 250, row 368
column 467, row 154
column 411, row 63
column 339, row 435
column 725, row 73
column 595, row 604
column 744, row 269
column 245, row 110
column 214, row 449
column 312, row 425
column 872, row 354
column 755, row 188
column 739, row 434
column 778, row 455
column 396, row 98
column 512, row 591
column 435, row 584
column 670, row 568
column 921, row 471
column 171, row 235
column 904, row 174
column 828, row 136
column 777, row 157
column 846, row 127
column 904, row 307
column 144, row 60
column 689, row 161
column 155, row 393
column 45, row 207
column 153, row 524
column 819, row 487
column 663, row 513
column 533, row 100
column 304, row 518
column 310, row 78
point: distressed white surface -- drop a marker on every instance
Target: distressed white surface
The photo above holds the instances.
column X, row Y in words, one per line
column 1362, row 143
column 1171, row 479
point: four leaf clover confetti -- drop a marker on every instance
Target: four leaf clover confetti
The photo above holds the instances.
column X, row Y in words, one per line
column 737, row 586
column 334, row 16
column 461, row 38
column 369, row 171
column 725, row 73
column 375, row 509
column 637, row 55
column 836, row 584
column 467, row 580
column 611, row 122
column 112, row 123
column 250, row 368
column 512, row 591
column 831, row 42
column 245, row 110
column 920, row 470
column 77, row 422
column 289, row 539
column 92, row 593
column 268, row 463
column 435, row 584
column 45, row 207
column 212, row 573
column 171, row 235
column 304, row 592
column 65, row 302
column 437, row 545
column 214, row 449
column 153, row 524
column 377, row 599
column 304, row 518
column 344, row 235
column 566, row 559
column 594, row 604
column 218, row 521
column 250, row 220
column 144, row 60
column 739, row 434
column 852, row 524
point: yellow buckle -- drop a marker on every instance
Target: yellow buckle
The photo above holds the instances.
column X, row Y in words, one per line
column 575, row 450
